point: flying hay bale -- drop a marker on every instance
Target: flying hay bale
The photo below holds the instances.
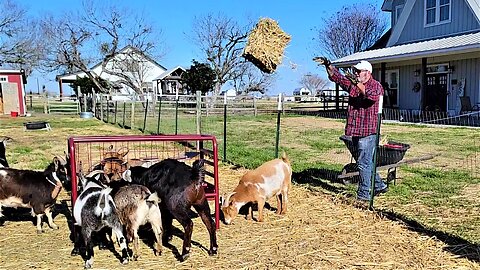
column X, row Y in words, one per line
column 266, row 44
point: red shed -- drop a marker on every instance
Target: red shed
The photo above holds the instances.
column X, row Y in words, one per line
column 12, row 92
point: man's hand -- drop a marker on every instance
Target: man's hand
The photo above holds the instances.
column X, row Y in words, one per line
column 351, row 77
column 322, row 61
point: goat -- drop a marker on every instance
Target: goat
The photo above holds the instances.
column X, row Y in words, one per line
column 3, row 158
column 179, row 187
column 136, row 206
column 272, row 178
column 113, row 163
column 95, row 209
column 33, row 189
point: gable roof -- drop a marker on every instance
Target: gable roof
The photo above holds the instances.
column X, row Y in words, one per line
column 437, row 47
column 168, row 73
column 72, row 76
column 126, row 49
column 407, row 9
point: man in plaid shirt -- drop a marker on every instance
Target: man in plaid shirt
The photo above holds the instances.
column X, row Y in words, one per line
column 364, row 94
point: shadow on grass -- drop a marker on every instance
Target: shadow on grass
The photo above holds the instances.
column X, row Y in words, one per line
column 327, row 179
column 455, row 245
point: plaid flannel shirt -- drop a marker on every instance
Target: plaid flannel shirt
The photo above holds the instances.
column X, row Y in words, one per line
column 362, row 110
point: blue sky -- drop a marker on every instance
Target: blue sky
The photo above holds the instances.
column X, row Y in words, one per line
column 299, row 18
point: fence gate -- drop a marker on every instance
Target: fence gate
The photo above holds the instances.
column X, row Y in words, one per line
column 88, row 151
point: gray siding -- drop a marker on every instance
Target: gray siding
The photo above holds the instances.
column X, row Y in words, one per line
column 466, row 68
column 469, row 69
column 462, row 21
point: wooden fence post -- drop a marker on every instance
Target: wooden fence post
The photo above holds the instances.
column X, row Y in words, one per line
column 132, row 115
column 199, row 112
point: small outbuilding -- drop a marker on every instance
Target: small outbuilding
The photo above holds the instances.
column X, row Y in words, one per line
column 12, row 92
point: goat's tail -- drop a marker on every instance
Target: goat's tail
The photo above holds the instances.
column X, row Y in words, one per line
column 198, row 171
column 285, row 158
column 103, row 206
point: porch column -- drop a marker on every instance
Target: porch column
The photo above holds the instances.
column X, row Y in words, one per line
column 383, row 82
column 424, row 83
column 60, row 88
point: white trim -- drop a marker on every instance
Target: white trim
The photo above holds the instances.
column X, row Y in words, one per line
column 3, row 78
column 468, row 43
column 475, row 7
column 437, row 13
column 398, row 28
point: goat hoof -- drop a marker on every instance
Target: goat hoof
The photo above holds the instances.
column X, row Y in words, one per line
column 75, row 251
column 185, row 257
column 103, row 246
column 55, row 227
column 124, row 260
column 39, row 231
column 212, row 251
column 88, row 264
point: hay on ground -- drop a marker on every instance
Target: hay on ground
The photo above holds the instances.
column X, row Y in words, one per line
column 266, row 44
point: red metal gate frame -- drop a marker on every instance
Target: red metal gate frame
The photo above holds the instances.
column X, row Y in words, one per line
column 210, row 194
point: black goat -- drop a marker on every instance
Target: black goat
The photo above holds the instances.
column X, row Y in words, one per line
column 33, row 189
column 179, row 187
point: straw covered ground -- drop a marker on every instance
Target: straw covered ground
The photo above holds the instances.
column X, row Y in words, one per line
column 319, row 231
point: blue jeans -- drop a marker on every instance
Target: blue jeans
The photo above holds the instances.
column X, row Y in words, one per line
column 365, row 147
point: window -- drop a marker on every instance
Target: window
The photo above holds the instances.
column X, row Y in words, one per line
column 398, row 11
column 391, row 89
column 437, row 12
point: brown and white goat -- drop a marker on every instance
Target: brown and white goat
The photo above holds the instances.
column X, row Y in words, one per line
column 136, row 206
column 272, row 178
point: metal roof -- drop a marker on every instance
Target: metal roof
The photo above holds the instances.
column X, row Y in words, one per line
column 437, row 47
column 168, row 72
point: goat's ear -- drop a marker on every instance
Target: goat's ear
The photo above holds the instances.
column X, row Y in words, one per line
column 122, row 151
column 127, row 175
column 56, row 162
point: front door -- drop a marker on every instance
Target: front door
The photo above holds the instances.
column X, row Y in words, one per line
column 10, row 98
column 436, row 93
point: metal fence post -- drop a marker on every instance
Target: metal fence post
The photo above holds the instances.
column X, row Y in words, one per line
column 145, row 117
column 377, row 140
column 225, row 126
column 176, row 113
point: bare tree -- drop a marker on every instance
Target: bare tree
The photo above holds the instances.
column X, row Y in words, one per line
column 248, row 79
column 121, row 42
column 20, row 45
column 349, row 31
column 313, row 82
column 222, row 40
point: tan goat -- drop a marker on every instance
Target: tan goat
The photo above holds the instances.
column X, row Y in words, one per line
column 272, row 178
